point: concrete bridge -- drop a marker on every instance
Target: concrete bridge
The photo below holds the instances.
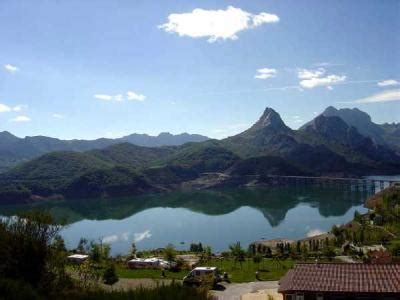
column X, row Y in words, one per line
column 344, row 183
column 356, row 184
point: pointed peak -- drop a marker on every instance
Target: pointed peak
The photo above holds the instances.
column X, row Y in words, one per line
column 330, row 110
column 270, row 118
column 6, row 134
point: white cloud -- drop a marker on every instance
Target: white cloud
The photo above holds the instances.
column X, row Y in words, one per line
column 11, row 68
column 134, row 96
column 322, row 81
column 140, row 236
column 385, row 96
column 103, row 97
column 215, row 24
column 308, row 74
column 120, row 97
column 21, row 119
column 19, row 107
column 314, row 232
column 327, row 64
column 314, row 78
column 265, row 73
column 58, row 116
column 4, row 108
column 388, row 82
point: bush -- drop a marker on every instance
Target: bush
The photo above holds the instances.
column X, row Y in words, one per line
column 174, row 291
column 110, row 276
column 16, row 290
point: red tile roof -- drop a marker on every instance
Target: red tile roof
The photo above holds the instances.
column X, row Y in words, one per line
column 342, row 278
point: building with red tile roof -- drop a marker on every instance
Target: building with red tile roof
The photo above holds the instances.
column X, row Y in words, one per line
column 341, row 281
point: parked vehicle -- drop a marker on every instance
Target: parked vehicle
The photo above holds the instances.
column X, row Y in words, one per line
column 203, row 276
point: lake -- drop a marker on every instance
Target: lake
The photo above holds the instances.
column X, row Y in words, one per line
column 213, row 217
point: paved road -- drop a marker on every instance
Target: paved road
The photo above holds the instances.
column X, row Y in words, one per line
column 258, row 290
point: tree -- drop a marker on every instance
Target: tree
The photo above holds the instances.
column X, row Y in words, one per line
column 110, row 276
column 133, row 249
column 99, row 252
column 207, row 253
column 329, row 252
column 238, row 253
column 58, row 244
column 170, row 253
column 30, row 252
column 304, row 252
column 257, row 260
column 83, row 246
column 196, row 247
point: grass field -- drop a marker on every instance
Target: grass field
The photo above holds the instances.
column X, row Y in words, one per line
column 268, row 270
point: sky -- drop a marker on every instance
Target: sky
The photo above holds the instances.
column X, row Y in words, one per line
column 100, row 68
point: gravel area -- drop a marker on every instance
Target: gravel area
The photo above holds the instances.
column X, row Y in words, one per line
column 258, row 290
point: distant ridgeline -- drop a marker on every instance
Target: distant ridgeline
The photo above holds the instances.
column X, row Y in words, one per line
column 343, row 143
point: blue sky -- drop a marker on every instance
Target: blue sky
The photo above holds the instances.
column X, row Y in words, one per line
column 87, row 69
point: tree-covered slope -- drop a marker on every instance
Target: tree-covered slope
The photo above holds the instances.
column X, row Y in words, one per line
column 14, row 150
column 131, row 155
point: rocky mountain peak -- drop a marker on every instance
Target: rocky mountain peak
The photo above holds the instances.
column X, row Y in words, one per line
column 270, row 119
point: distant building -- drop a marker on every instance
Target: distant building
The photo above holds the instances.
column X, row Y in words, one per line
column 341, row 281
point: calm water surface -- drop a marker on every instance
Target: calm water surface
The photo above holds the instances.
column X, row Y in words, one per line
column 216, row 218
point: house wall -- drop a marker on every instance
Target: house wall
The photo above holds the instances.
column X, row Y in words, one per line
column 333, row 296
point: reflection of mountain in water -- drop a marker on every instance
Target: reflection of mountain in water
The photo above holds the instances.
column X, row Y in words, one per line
column 273, row 203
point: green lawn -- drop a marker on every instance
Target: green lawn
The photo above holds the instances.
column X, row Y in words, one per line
column 268, row 270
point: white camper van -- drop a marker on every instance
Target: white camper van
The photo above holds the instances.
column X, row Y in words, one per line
column 203, row 276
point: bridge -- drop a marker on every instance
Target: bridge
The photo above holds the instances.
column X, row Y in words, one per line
column 356, row 184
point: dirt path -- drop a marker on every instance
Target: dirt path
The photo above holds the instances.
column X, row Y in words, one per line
column 258, row 290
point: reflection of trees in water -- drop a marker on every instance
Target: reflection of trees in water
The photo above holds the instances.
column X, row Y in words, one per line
column 273, row 203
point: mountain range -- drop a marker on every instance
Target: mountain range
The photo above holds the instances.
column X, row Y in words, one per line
column 385, row 134
column 14, row 150
column 327, row 145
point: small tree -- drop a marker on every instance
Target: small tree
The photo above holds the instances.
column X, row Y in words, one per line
column 207, row 253
column 133, row 249
column 170, row 253
column 99, row 252
column 238, row 253
column 329, row 252
column 83, row 246
column 257, row 260
column 304, row 252
column 110, row 276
